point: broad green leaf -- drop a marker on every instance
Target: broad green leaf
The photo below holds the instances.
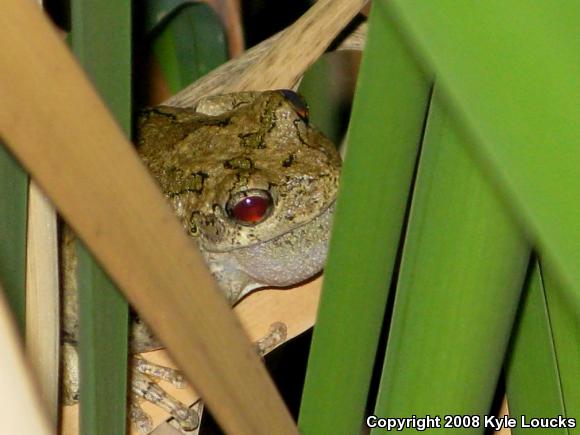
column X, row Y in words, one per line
column 384, row 137
column 463, row 266
column 189, row 44
column 511, row 78
column 320, row 92
column 510, row 72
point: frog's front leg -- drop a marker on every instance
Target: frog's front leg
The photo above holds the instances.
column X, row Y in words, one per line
column 143, row 387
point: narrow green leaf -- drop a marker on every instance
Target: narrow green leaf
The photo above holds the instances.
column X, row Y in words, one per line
column 510, row 70
column 532, row 373
column 189, row 44
column 106, row 56
column 463, row 266
column 13, row 208
column 565, row 322
column 103, row 350
column 104, row 53
column 384, row 136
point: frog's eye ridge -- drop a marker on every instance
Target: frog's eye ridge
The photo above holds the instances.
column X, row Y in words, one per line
column 250, row 207
column 297, row 102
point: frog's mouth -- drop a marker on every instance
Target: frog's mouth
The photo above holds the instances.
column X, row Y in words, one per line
column 291, row 257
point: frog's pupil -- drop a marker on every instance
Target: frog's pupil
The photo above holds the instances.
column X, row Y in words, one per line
column 251, row 209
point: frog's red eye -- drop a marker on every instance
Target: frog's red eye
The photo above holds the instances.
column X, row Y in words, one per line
column 297, row 102
column 250, row 207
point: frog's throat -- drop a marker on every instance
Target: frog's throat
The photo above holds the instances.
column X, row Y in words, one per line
column 285, row 261
column 328, row 208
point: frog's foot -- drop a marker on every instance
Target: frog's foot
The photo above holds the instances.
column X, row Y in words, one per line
column 275, row 337
column 198, row 408
column 144, row 387
column 187, row 418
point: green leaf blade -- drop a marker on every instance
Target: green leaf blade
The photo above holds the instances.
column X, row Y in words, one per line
column 103, row 343
column 189, row 44
column 565, row 322
column 511, row 78
column 384, row 137
column 532, row 374
column 13, row 218
column 463, row 266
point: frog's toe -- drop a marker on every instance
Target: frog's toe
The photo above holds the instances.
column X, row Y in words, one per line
column 187, row 419
column 158, row 372
column 140, row 419
column 146, row 389
column 276, row 336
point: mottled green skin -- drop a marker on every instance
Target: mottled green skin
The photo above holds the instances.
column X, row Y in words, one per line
column 229, row 144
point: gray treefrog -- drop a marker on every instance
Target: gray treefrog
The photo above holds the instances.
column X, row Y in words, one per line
column 253, row 183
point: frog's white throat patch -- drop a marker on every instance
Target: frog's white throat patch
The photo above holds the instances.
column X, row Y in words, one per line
column 280, row 262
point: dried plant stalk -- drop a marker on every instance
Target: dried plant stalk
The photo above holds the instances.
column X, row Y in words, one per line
column 42, row 296
column 96, row 180
column 21, row 410
column 281, row 60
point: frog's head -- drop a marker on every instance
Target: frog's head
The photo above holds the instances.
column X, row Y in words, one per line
column 250, row 178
